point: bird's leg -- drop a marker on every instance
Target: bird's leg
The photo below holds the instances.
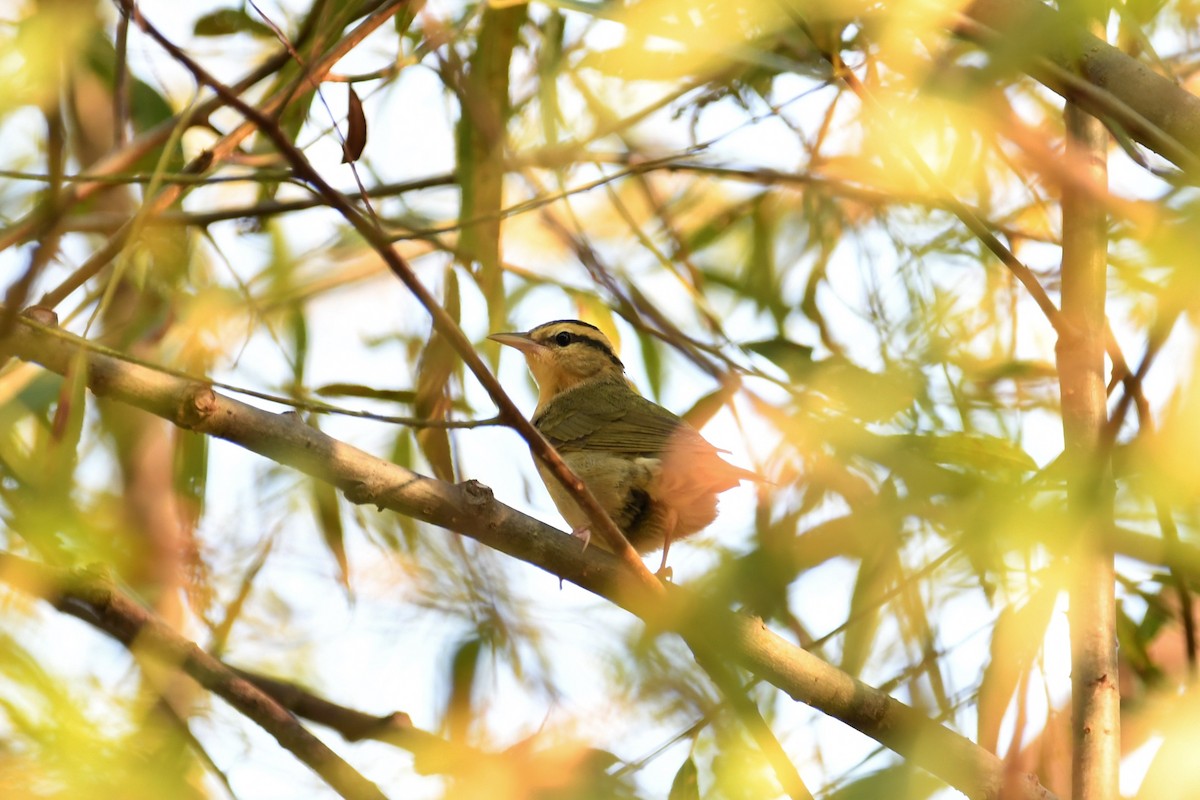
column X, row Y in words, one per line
column 582, row 532
column 585, row 533
column 665, row 572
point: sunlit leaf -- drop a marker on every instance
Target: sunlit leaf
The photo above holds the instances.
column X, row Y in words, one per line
column 1016, row 641
column 1173, row 772
column 668, row 39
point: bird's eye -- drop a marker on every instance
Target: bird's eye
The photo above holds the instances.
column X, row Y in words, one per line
column 562, row 339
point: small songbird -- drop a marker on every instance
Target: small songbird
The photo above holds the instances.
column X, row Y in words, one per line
column 654, row 474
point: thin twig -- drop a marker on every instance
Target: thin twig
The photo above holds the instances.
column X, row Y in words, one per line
column 222, row 149
column 442, row 321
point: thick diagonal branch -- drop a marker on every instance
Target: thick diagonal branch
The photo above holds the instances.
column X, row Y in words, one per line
column 469, row 509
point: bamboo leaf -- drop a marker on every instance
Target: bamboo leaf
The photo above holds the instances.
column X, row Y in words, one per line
column 707, row 406
column 794, row 359
column 482, row 145
column 1016, row 641
column 651, row 362
column 228, row 21
column 876, row 573
column 329, row 519
column 190, row 452
column 437, row 364
column 66, row 428
column 406, row 396
column 686, row 783
column 972, row 452
column 898, row 781
column 464, row 669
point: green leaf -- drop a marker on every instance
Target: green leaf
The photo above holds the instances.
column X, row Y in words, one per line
column 405, row 17
column 482, row 146
column 793, row 358
column 870, row 396
column 41, row 392
column 228, row 21
column 62, row 450
column 464, row 668
column 549, row 66
column 406, row 396
column 329, row 518
column 761, row 283
column 972, row 452
column 876, row 574
column 437, row 363
column 1134, row 641
column 652, row 362
column 147, row 107
column 298, row 330
column 191, row 470
column 707, row 406
column 686, row 784
column 900, row 781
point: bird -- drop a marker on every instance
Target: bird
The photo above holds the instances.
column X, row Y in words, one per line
column 653, row 473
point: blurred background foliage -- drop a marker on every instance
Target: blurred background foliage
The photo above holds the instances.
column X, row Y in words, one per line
column 763, row 203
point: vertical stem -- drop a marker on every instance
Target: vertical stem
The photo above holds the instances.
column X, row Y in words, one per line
column 1080, row 350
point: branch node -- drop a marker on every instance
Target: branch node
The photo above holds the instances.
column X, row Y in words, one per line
column 361, row 493
column 476, row 494
column 397, row 720
column 199, row 403
column 42, row 316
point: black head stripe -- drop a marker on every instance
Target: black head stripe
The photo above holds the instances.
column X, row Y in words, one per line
column 578, row 322
column 601, row 346
column 544, row 330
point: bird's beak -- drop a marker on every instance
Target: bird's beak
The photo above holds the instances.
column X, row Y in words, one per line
column 521, row 341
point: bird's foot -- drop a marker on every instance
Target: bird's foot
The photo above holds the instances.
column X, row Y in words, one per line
column 584, row 533
column 665, row 573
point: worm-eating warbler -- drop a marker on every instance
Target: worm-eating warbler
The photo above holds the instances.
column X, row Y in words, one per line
column 657, row 478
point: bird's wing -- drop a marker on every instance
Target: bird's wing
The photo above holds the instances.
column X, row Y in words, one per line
column 618, row 422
